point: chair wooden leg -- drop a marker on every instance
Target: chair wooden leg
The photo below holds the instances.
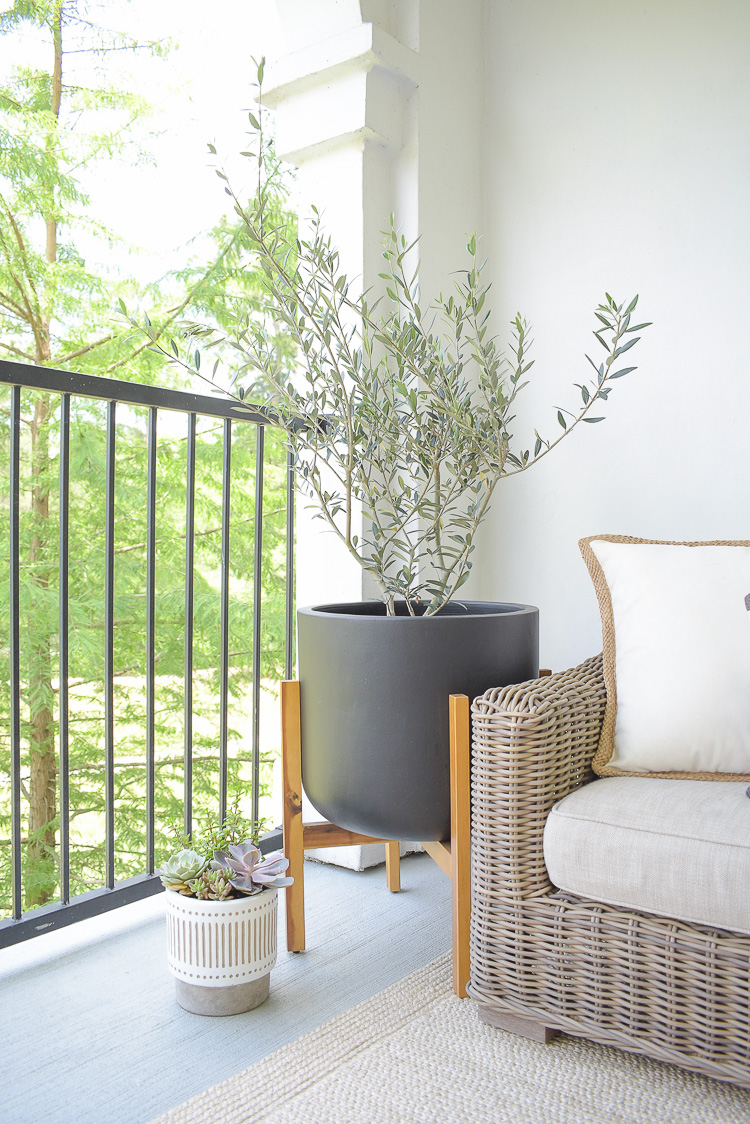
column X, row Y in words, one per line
column 392, row 866
column 516, row 1024
column 460, row 851
column 294, row 850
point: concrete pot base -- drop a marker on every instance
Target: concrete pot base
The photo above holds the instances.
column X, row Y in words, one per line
column 232, row 1000
column 221, row 952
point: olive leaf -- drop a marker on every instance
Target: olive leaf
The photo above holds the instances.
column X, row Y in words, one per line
column 398, row 416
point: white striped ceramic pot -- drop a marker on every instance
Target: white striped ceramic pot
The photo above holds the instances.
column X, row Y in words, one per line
column 221, row 953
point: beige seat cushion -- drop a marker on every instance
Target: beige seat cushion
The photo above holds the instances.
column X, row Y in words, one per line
column 679, row 848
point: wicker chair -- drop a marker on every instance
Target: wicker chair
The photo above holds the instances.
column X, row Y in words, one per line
column 544, row 961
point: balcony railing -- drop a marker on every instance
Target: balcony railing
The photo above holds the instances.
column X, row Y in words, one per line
column 131, row 418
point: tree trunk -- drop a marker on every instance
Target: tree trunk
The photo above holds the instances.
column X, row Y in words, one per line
column 41, row 878
column 41, row 875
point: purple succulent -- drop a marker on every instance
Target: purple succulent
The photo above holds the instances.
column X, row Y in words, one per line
column 249, row 872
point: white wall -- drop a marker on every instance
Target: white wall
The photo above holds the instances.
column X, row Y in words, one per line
column 451, row 149
column 617, row 157
column 345, row 101
column 371, row 101
column 596, row 148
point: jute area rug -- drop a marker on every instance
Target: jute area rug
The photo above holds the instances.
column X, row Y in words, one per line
column 415, row 1054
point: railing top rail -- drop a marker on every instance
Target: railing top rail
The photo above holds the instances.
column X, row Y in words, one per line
column 134, row 393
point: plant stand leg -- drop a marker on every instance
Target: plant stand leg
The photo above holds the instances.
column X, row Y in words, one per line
column 300, row 836
column 392, row 866
column 460, row 728
column 454, row 857
column 294, row 850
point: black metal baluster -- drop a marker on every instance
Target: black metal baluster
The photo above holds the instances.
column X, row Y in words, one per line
column 68, row 384
column 15, row 661
column 289, row 591
column 224, row 673
column 109, row 654
column 189, row 594
column 257, row 579
column 63, row 703
column 150, row 630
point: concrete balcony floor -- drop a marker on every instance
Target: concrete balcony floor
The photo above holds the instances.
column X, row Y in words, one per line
column 90, row 1030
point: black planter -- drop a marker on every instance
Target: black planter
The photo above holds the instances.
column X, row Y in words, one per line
column 375, row 738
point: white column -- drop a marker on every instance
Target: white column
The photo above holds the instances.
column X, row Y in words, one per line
column 378, row 103
column 344, row 99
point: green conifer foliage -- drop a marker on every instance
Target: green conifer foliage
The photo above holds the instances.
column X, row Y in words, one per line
column 57, row 310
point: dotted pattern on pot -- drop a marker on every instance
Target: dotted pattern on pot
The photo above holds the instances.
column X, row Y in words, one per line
column 216, row 944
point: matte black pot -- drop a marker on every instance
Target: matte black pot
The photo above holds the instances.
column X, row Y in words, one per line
column 375, row 735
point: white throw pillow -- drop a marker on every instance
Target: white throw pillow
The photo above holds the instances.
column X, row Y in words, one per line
column 676, row 656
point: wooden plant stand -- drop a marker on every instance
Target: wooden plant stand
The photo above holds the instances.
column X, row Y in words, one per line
column 452, row 857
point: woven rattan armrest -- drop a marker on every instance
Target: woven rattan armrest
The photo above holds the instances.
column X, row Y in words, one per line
column 532, row 744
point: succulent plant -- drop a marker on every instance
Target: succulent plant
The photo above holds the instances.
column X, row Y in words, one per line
column 248, row 871
column 212, row 885
column 180, row 870
column 224, row 862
